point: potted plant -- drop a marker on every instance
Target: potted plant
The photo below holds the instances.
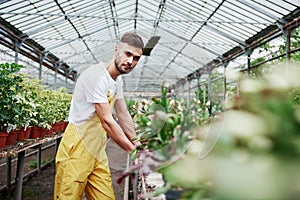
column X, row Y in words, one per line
column 11, row 99
column 24, row 103
column 40, row 122
column 57, row 108
column 28, row 111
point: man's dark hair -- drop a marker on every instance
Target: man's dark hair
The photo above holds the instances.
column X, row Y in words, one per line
column 133, row 39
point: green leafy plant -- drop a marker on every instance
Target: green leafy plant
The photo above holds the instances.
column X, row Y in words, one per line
column 25, row 102
column 165, row 128
column 164, row 121
column 14, row 104
column 52, row 106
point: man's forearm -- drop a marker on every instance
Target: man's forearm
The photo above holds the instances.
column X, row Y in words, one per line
column 127, row 126
column 116, row 134
column 112, row 128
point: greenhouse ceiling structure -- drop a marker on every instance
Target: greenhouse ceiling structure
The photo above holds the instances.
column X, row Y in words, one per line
column 185, row 39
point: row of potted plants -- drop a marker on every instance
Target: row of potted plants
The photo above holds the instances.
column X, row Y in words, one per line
column 27, row 106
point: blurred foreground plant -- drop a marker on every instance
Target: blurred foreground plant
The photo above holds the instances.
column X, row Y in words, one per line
column 257, row 153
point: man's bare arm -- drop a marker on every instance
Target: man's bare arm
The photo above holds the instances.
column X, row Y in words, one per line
column 112, row 128
column 125, row 119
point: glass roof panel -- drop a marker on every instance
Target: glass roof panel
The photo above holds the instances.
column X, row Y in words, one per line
column 275, row 7
column 192, row 32
column 207, row 35
column 293, row 2
column 236, row 6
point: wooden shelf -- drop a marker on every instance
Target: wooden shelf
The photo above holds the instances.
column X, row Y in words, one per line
column 18, row 150
column 13, row 150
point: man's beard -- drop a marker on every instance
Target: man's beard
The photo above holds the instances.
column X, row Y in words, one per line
column 120, row 69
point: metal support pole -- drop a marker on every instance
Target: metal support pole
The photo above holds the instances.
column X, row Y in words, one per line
column 287, row 33
column 8, row 173
column 57, row 66
column 19, row 177
column 42, row 57
column 55, row 75
column 40, row 71
column 135, row 187
column 248, row 64
column 198, row 87
column 17, row 46
column 189, row 100
column 39, row 159
column 204, row 93
column 288, row 46
column 248, row 53
column 126, row 184
column 40, row 67
column 224, row 88
column 225, row 64
column 67, row 74
column 209, row 94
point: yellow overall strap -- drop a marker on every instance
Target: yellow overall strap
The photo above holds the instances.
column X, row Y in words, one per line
column 110, row 99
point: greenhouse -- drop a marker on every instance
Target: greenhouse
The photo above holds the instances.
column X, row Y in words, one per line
column 149, row 99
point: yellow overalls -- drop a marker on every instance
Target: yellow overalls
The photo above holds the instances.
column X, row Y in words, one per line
column 82, row 163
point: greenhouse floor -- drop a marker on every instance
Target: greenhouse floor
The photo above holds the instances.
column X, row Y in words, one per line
column 40, row 186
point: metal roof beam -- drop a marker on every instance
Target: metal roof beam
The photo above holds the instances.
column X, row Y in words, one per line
column 80, row 52
column 114, row 18
column 4, row 1
column 130, row 18
column 75, row 29
column 159, row 14
column 135, row 14
column 178, row 52
column 82, row 37
column 57, row 21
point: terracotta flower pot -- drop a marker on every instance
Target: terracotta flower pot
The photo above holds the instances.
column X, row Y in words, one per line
column 27, row 133
column 44, row 132
column 12, row 137
column 65, row 125
column 56, row 127
column 21, row 135
column 3, row 138
column 61, row 126
column 50, row 131
column 35, row 132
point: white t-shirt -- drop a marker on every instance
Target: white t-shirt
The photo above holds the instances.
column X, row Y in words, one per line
column 92, row 87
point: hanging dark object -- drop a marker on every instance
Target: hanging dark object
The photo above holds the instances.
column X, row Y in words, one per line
column 150, row 45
